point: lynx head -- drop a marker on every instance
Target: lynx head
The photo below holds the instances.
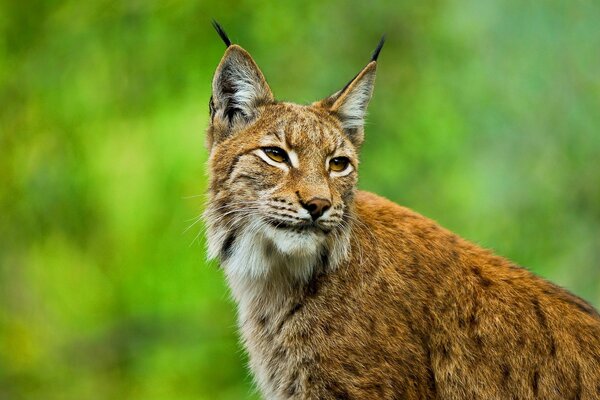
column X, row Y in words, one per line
column 282, row 175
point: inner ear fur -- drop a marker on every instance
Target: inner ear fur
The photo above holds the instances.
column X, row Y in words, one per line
column 349, row 104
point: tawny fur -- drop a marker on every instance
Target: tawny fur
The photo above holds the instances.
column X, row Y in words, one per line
column 376, row 301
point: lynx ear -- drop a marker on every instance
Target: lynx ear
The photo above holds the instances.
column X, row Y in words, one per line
column 350, row 103
column 238, row 87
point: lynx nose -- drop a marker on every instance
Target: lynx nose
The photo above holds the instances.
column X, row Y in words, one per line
column 316, row 207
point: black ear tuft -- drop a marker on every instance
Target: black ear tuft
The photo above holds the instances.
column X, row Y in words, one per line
column 378, row 49
column 221, row 33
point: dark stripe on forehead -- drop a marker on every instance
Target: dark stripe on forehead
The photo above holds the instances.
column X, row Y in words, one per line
column 275, row 133
column 280, row 135
column 284, row 139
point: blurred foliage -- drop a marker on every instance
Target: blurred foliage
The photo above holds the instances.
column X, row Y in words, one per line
column 485, row 117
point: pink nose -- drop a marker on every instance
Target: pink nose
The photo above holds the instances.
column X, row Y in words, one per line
column 316, row 207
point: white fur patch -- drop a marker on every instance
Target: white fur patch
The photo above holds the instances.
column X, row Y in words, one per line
column 246, row 89
column 259, row 249
column 264, row 256
column 294, row 160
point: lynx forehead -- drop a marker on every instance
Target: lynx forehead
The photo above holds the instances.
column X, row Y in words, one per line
column 310, row 136
column 345, row 295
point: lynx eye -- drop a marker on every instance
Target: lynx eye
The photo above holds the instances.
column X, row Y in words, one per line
column 276, row 154
column 338, row 164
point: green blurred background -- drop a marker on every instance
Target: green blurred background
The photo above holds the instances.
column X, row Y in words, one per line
column 486, row 117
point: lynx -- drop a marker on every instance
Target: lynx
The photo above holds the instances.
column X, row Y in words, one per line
column 343, row 294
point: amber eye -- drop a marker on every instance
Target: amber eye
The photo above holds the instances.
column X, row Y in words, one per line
column 338, row 164
column 276, row 154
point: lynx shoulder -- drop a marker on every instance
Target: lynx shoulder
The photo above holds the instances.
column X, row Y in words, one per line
column 345, row 295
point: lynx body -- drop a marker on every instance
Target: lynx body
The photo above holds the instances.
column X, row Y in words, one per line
column 345, row 295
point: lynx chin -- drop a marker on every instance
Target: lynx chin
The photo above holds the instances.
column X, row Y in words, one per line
column 343, row 294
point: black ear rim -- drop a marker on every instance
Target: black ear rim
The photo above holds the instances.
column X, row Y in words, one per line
column 378, row 49
column 222, row 33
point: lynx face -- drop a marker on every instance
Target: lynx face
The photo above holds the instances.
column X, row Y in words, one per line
column 282, row 176
column 291, row 177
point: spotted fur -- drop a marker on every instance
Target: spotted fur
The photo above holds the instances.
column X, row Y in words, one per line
column 370, row 300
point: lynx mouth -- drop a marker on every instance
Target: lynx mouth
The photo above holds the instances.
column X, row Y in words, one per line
column 301, row 227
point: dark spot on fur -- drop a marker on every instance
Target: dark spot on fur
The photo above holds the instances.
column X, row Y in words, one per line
column 478, row 341
column 291, row 389
column 350, row 368
column 473, row 317
column 392, row 331
column 257, row 181
column 294, row 310
column 279, row 353
column 280, row 327
column 371, row 323
column 535, row 383
column 312, row 288
column 505, row 370
column 454, row 255
column 552, row 346
column 337, row 391
column 445, row 350
column 227, row 247
column 485, row 282
column 293, row 386
column 543, row 321
column 247, row 177
column 324, row 259
column 375, row 389
column 425, row 310
column 398, row 389
column 420, row 234
column 541, row 317
column 572, row 300
column 347, row 196
column 262, row 321
column 304, row 334
column 578, row 383
column 283, row 208
column 211, row 108
column 384, row 286
column 431, row 384
column 297, row 307
column 327, row 330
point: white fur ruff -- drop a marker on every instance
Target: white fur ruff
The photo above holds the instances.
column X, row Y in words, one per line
column 264, row 261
